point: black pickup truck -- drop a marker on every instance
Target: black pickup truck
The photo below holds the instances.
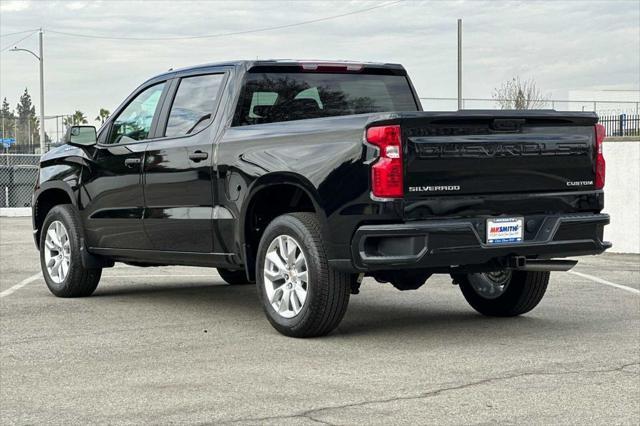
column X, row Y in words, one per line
column 304, row 177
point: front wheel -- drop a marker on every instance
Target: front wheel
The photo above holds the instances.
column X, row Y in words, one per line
column 61, row 257
column 503, row 293
column 301, row 294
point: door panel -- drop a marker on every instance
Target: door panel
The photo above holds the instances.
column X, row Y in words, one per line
column 178, row 168
column 178, row 196
column 114, row 200
column 113, row 197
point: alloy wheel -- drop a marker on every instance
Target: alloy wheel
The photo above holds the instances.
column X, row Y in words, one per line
column 286, row 277
column 57, row 251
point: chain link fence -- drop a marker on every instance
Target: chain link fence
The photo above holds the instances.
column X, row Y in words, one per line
column 18, row 174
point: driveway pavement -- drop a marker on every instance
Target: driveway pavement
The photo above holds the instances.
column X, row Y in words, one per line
column 177, row 345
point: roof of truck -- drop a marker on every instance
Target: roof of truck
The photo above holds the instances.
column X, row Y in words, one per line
column 280, row 62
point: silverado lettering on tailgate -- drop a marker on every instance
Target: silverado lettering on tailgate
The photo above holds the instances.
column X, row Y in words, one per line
column 500, row 149
column 434, row 188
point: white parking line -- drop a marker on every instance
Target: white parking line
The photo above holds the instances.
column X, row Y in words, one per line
column 33, row 278
column 605, row 282
column 21, row 284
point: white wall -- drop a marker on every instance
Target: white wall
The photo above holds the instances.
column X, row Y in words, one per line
column 622, row 195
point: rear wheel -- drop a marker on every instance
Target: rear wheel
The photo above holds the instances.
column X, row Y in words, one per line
column 61, row 257
column 503, row 293
column 301, row 294
column 234, row 277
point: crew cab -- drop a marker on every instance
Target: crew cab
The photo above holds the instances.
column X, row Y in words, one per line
column 304, row 177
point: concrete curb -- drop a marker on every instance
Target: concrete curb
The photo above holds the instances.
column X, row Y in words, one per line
column 15, row 211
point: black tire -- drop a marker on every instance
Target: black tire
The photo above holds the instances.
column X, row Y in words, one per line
column 523, row 293
column 234, row 277
column 79, row 281
column 328, row 290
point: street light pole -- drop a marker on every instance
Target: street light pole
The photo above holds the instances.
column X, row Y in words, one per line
column 41, row 60
column 460, row 64
column 42, row 131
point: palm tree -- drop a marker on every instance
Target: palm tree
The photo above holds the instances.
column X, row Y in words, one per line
column 103, row 115
column 77, row 118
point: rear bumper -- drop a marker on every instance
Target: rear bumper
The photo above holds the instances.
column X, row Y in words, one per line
column 461, row 242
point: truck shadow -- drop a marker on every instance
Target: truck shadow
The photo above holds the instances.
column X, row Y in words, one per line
column 385, row 317
column 450, row 322
column 194, row 297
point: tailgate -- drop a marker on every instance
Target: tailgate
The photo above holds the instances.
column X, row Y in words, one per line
column 491, row 152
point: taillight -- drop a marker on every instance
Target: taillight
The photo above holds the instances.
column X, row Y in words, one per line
column 600, row 163
column 386, row 173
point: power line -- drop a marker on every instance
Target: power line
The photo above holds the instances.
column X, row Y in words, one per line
column 19, row 32
column 279, row 27
column 16, row 42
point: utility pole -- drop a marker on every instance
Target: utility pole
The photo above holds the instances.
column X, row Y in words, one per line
column 40, row 59
column 459, row 64
column 42, row 131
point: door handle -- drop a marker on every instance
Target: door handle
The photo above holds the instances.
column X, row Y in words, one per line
column 130, row 162
column 198, row 156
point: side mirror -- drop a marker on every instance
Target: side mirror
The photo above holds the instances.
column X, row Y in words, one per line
column 81, row 135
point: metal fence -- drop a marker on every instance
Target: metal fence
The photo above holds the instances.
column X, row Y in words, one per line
column 25, row 148
column 18, row 174
column 621, row 125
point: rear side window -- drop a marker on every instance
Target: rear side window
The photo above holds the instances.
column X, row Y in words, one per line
column 193, row 105
column 269, row 97
column 261, row 102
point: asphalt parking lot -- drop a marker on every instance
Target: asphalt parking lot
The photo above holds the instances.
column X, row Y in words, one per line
column 177, row 345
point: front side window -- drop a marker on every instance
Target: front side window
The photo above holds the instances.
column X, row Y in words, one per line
column 134, row 122
column 192, row 108
column 269, row 97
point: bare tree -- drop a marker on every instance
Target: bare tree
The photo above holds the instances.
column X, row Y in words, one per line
column 519, row 94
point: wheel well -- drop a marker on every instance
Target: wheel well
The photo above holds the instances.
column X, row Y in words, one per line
column 45, row 202
column 266, row 205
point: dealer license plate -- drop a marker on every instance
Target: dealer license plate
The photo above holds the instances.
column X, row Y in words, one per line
column 504, row 230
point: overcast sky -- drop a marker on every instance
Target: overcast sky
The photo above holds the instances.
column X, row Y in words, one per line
column 563, row 45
